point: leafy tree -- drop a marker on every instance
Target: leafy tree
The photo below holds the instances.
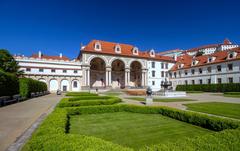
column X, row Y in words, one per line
column 8, row 63
column 199, row 53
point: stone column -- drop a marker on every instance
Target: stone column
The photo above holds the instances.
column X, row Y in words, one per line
column 108, row 76
column 88, row 77
column 127, row 77
column 70, row 83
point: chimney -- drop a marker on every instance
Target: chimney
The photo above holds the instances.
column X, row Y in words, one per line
column 60, row 55
column 39, row 54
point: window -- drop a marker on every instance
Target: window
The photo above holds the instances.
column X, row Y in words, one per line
column 185, row 72
column 200, row 70
column 41, row 70
column 230, row 56
column 209, row 59
column 209, row 69
column 209, row 81
column 193, row 71
column 175, row 74
column 64, row 71
column 153, row 64
column 162, row 74
column 193, row 82
column 153, row 73
column 170, row 74
column 28, row 69
column 230, row 67
column 200, row 81
column 117, row 48
column 166, row 74
column 53, row 70
column 186, row 82
column 230, row 80
column 98, row 46
column 219, row 68
column 179, row 73
column 166, row 65
column 219, row 80
column 75, row 84
column 162, row 65
column 75, row 71
column 153, row 82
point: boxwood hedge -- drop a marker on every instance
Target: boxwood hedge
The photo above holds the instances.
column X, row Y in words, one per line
column 8, row 84
column 86, row 101
column 53, row 132
column 225, row 87
column 28, row 86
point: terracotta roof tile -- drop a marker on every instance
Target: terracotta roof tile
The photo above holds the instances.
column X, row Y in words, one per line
column 126, row 50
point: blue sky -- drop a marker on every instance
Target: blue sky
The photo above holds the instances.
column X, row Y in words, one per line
column 58, row 26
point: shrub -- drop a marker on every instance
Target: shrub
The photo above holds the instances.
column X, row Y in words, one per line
column 77, row 98
column 65, row 102
column 8, row 84
column 232, row 93
column 80, row 94
column 225, row 87
column 28, row 86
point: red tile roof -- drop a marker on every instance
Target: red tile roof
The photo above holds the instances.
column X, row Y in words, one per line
column 221, row 56
column 51, row 57
column 126, row 50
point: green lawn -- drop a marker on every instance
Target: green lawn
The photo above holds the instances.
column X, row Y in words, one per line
column 133, row 129
column 223, row 109
column 161, row 99
column 231, row 95
column 112, row 93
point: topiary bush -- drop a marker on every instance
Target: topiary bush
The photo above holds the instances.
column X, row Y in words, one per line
column 8, row 84
column 28, row 86
column 80, row 94
column 225, row 87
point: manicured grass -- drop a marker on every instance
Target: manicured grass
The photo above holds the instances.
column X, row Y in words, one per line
column 133, row 130
column 194, row 91
column 161, row 99
column 223, row 109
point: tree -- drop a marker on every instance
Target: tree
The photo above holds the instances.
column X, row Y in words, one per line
column 8, row 63
column 199, row 53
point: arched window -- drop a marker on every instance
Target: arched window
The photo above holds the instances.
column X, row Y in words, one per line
column 152, row 53
column 75, row 84
column 117, row 48
column 97, row 46
column 135, row 51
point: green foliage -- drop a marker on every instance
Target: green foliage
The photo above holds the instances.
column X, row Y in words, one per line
column 227, row 140
column 8, row 63
column 205, row 121
column 28, row 86
column 232, row 93
column 80, row 94
column 86, row 101
column 8, row 84
column 225, row 87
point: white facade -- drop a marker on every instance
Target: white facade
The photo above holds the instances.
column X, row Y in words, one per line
column 57, row 74
column 224, row 72
column 158, row 73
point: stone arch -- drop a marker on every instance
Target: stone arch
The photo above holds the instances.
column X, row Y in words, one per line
column 133, row 60
column 42, row 80
column 96, row 56
column 64, row 85
column 136, row 74
column 97, row 72
column 115, row 58
column 75, row 84
column 118, row 73
column 53, row 85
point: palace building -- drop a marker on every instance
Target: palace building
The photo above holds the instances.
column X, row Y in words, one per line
column 109, row 65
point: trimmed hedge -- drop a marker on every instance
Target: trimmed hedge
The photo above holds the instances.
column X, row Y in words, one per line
column 225, row 87
column 80, row 94
column 203, row 120
column 28, row 86
column 71, row 102
column 52, row 133
column 8, row 84
column 232, row 93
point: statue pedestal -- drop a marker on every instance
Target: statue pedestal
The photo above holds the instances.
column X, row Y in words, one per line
column 149, row 100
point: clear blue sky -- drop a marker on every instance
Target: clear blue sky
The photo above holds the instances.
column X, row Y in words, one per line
column 60, row 26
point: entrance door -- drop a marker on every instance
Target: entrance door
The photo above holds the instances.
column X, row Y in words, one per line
column 64, row 88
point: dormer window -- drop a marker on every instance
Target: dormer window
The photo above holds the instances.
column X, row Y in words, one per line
column 194, row 62
column 211, row 59
column 152, row 53
column 135, row 51
column 180, row 66
column 232, row 55
column 117, row 48
column 97, row 46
